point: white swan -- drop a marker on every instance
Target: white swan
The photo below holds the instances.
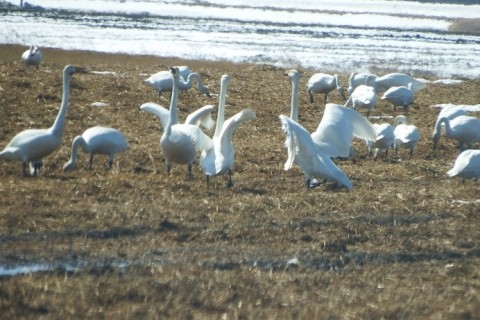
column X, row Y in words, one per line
column 32, row 57
column 398, row 80
column 162, row 81
column 180, row 141
column 364, row 96
column 338, row 126
column 467, row 165
column 399, row 96
column 357, row 79
column 406, row 135
column 31, row 145
column 302, row 151
column 202, row 116
column 384, row 141
column 464, row 129
column 450, row 112
column 97, row 140
column 324, row 83
column 220, row 158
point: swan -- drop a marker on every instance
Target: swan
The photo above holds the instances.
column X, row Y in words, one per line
column 464, row 129
column 184, row 72
column 97, row 140
column 399, row 96
column 450, row 112
column 32, row 57
column 398, row 80
column 202, row 116
column 162, row 81
column 324, row 83
column 338, row 126
column 180, row 141
column 364, row 96
column 357, row 79
column 220, row 158
column 31, row 145
column 467, row 165
column 405, row 135
column 385, row 139
column 314, row 163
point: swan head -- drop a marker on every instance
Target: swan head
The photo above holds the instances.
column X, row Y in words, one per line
column 71, row 69
column 401, row 119
column 69, row 166
column 293, row 75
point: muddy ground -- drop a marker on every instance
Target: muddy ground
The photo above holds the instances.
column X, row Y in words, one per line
column 132, row 242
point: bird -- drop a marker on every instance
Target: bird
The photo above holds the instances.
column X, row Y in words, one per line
column 32, row 57
column 324, row 83
column 357, row 79
column 399, row 96
column 467, row 165
column 338, row 126
column 398, row 80
column 364, row 96
column 162, row 81
column 302, row 151
column 184, row 71
column 406, row 135
column 97, row 140
column 449, row 111
column 219, row 159
column 464, row 129
column 32, row 145
column 384, row 141
column 180, row 141
column 202, row 116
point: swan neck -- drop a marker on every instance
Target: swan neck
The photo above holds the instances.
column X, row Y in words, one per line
column 172, row 119
column 294, row 102
column 221, row 107
column 78, row 141
column 59, row 123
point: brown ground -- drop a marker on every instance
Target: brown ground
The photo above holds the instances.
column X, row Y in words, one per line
column 401, row 244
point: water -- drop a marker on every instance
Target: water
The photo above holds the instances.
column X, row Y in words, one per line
column 376, row 36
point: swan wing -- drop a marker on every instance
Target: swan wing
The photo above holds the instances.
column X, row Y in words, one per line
column 198, row 137
column 157, row 110
column 232, row 123
column 202, row 116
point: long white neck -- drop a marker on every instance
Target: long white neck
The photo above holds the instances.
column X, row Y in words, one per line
column 221, row 105
column 59, row 123
column 448, row 128
column 188, row 84
column 294, row 104
column 78, row 141
column 172, row 119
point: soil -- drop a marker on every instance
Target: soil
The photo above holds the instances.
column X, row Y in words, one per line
column 134, row 242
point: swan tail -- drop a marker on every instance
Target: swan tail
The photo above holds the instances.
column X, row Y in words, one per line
column 157, row 110
column 202, row 116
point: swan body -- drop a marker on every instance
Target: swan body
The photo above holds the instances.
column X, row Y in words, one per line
column 385, row 139
column 97, row 140
column 399, row 96
column 302, row 151
column 464, row 129
column 363, row 96
column 162, row 81
column 357, row 79
column 180, row 141
column 324, row 83
column 467, row 165
column 32, row 145
column 406, row 135
column 32, row 57
column 202, row 116
column 219, row 159
column 450, row 112
column 398, row 80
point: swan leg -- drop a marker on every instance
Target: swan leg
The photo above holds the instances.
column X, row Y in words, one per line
column 325, row 100
column 311, row 96
column 207, row 179
column 90, row 160
column 411, row 153
column 24, row 168
column 230, row 183
column 190, row 174
column 307, row 182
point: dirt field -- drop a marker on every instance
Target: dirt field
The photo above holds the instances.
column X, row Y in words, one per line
column 134, row 243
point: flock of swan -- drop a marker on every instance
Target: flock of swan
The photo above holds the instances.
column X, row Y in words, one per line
column 314, row 153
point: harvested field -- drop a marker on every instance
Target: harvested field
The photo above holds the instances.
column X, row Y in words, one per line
column 132, row 242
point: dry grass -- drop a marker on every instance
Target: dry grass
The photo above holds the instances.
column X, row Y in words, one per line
column 399, row 245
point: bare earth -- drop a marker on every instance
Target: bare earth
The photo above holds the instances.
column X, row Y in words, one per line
column 132, row 242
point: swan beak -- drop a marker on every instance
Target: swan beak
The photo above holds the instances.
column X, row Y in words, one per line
column 82, row 70
column 208, row 94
